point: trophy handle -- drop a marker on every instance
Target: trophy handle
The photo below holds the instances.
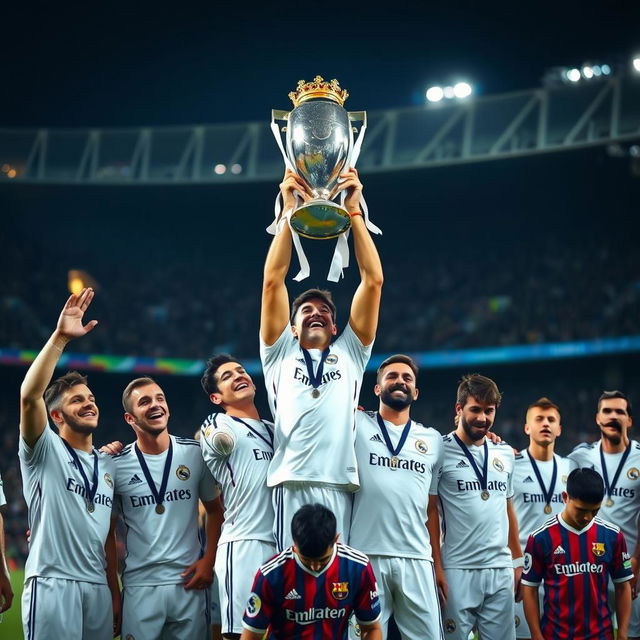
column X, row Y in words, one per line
column 278, row 114
column 357, row 116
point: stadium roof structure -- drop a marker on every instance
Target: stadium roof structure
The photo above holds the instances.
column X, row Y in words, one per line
column 497, row 127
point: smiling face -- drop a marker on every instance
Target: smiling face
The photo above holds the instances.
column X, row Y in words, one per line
column 148, row 409
column 396, row 386
column 543, row 425
column 613, row 419
column 476, row 418
column 77, row 410
column 234, row 386
column 313, row 324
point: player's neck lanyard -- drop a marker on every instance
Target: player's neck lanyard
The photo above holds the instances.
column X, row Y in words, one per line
column 609, row 488
column 90, row 489
column 403, row 438
column 256, row 432
column 482, row 476
column 546, row 493
column 315, row 379
column 157, row 494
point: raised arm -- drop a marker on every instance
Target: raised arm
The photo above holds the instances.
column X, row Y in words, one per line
column 33, row 412
column 363, row 318
column 275, row 298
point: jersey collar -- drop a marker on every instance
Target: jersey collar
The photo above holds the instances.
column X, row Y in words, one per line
column 325, row 568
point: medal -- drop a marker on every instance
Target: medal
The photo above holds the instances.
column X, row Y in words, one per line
column 547, row 493
column 89, row 489
column 157, row 494
column 394, row 461
column 610, row 488
column 315, row 378
column 483, row 476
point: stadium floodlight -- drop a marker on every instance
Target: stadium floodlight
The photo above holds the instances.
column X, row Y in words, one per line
column 449, row 93
column 462, row 90
column 597, row 71
column 606, row 69
column 573, row 75
column 434, row 94
column 587, row 72
column 636, row 63
column 236, row 169
column 220, row 169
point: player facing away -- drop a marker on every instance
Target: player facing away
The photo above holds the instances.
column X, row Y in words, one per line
column 479, row 563
column 6, row 591
column 68, row 487
column 309, row 591
column 237, row 446
column 398, row 463
column 539, row 479
column 159, row 480
column 575, row 552
column 617, row 459
column 312, row 381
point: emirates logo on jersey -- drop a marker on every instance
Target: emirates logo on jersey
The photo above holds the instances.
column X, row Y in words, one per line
column 339, row 590
column 598, row 549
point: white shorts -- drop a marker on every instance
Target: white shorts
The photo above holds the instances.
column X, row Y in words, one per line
column 483, row 598
column 165, row 611
column 54, row 608
column 289, row 497
column 522, row 628
column 407, row 590
column 236, row 566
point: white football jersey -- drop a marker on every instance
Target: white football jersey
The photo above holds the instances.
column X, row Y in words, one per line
column 475, row 531
column 242, row 475
column 3, row 500
column 161, row 546
column 314, row 440
column 528, row 498
column 393, row 497
column 67, row 541
column 626, row 493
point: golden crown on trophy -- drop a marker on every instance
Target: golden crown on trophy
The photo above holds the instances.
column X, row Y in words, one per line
column 318, row 88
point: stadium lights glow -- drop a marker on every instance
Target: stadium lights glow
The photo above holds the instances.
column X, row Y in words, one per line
column 236, row 169
column 435, row 94
column 587, row 72
column 460, row 90
column 573, row 75
column 636, row 63
column 606, row 69
column 220, row 169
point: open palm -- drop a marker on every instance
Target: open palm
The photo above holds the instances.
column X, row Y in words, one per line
column 70, row 320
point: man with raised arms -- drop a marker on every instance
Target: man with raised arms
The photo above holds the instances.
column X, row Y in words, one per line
column 237, row 446
column 68, row 487
column 480, row 561
column 159, row 480
column 398, row 462
column 539, row 479
column 313, row 383
column 617, row 459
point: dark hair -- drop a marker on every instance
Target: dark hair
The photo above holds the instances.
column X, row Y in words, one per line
column 544, row 403
column 208, row 380
column 313, row 529
column 310, row 294
column 56, row 389
column 398, row 357
column 585, row 484
column 128, row 390
column 608, row 395
column 479, row 387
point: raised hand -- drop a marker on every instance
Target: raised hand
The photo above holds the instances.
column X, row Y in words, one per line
column 291, row 184
column 350, row 180
column 70, row 321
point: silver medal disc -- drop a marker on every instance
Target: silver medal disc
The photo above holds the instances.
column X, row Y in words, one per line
column 159, row 508
column 485, row 495
column 91, row 507
column 315, row 393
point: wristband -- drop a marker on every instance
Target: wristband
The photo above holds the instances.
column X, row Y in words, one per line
column 355, row 213
column 518, row 562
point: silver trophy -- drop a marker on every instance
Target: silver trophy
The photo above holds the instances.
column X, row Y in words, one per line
column 319, row 145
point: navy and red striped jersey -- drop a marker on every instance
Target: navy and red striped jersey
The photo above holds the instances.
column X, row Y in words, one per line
column 575, row 566
column 296, row 603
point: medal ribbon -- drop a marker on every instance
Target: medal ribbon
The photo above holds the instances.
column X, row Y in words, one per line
column 256, row 432
column 547, row 494
column 158, row 495
column 89, row 489
column 387, row 440
column 605, row 476
column 484, row 476
column 316, row 378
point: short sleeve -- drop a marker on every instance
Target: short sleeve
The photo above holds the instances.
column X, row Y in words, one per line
column 358, row 352
column 260, row 607
column 367, row 604
column 437, row 469
column 620, row 567
column 208, row 488
column 533, row 571
column 270, row 354
column 510, row 490
column 36, row 454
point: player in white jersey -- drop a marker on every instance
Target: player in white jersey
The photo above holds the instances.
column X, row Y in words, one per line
column 237, row 446
column 312, row 382
column 540, row 477
column 479, row 563
column 159, row 480
column 617, row 459
column 398, row 463
column 6, row 592
column 68, row 488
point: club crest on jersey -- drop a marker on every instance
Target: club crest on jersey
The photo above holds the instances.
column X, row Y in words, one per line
column 108, row 480
column 129, row 636
column 517, row 621
column 633, row 474
column 526, row 567
column 332, row 358
column 183, row 472
column 356, row 630
column 254, row 605
column 339, row 590
column 597, row 548
column 498, row 464
column 421, row 446
column 449, row 625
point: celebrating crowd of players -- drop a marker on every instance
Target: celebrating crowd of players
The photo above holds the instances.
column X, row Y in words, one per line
column 326, row 511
